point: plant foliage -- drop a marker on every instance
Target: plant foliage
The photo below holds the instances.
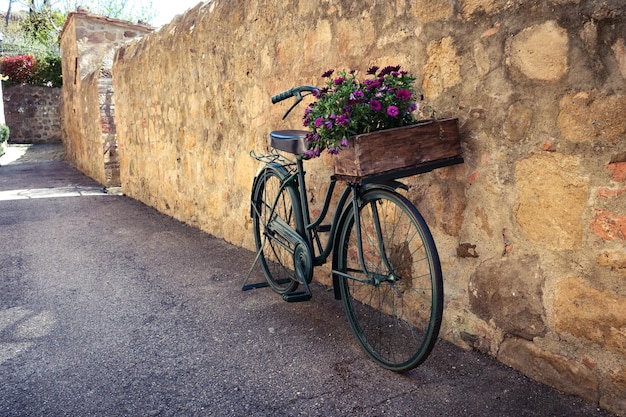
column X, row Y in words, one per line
column 48, row 72
column 26, row 69
column 348, row 106
column 4, row 133
column 20, row 69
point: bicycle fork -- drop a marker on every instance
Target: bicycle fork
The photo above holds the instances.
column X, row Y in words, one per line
column 370, row 278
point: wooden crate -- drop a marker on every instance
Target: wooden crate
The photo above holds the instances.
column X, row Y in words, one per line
column 399, row 149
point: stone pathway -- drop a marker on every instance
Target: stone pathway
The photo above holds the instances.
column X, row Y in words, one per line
column 19, row 154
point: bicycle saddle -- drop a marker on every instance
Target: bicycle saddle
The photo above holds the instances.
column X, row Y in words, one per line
column 292, row 141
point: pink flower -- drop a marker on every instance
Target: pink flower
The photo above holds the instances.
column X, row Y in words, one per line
column 393, row 111
column 403, row 95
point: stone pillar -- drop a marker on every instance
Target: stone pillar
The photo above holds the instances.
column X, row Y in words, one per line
column 88, row 44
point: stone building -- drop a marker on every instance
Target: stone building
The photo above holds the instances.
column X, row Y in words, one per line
column 88, row 43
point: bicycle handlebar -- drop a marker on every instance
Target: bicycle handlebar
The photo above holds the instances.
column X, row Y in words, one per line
column 296, row 91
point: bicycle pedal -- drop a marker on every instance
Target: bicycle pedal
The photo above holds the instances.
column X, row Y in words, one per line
column 296, row 297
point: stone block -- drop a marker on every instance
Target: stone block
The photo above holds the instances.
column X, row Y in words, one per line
column 591, row 117
column 443, row 69
column 519, row 118
column 619, row 49
column 616, row 261
column 551, row 369
column 470, row 7
column 508, row 292
column 614, row 392
column 551, row 196
column 583, row 311
column 540, row 52
column 429, row 11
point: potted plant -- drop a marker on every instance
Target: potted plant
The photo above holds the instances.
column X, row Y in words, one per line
column 376, row 125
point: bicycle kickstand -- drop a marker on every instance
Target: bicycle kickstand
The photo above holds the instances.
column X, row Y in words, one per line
column 295, row 297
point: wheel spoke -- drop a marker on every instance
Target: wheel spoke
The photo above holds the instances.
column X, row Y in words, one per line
column 394, row 306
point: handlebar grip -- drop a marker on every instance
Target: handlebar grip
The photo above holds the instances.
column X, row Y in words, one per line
column 282, row 96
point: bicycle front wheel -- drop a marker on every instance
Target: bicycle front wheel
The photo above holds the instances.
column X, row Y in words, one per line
column 393, row 293
column 275, row 205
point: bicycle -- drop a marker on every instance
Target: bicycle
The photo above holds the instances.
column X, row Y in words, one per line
column 385, row 266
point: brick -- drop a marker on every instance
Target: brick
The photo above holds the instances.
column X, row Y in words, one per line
column 608, row 226
column 617, row 171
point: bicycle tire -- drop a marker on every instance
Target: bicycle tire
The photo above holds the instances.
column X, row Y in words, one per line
column 276, row 256
column 396, row 318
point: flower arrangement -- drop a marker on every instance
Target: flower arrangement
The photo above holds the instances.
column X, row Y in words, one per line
column 347, row 107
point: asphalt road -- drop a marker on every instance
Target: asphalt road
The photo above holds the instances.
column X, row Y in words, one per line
column 109, row 308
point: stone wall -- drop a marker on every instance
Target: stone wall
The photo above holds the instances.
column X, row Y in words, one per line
column 88, row 43
column 539, row 88
column 32, row 113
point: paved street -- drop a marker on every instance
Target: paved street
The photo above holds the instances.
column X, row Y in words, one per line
column 109, row 308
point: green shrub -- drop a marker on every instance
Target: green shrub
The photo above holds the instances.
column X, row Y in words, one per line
column 47, row 72
column 26, row 69
column 4, row 133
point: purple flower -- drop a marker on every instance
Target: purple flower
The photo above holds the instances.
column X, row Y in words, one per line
column 338, row 80
column 393, row 111
column 375, row 105
column 388, row 70
column 373, row 84
column 328, row 125
column 318, row 122
column 333, row 151
column 403, row 95
column 343, row 120
column 328, row 73
column 312, row 153
column 412, row 107
column 372, row 70
column 358, row 94
column 344, row 142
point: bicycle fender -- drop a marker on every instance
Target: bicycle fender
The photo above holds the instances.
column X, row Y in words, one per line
column 391, row 185
column 256, row 179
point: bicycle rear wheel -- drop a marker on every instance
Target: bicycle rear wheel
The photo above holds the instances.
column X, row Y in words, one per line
column 395, row 305
column 274, row 204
